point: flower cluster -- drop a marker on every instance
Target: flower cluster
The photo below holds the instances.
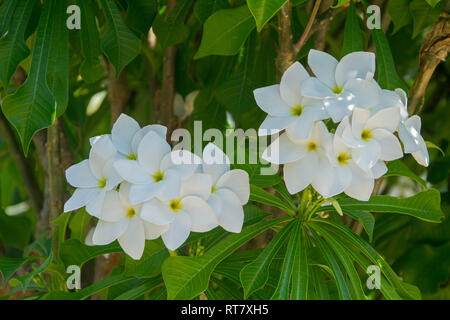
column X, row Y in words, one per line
column 139, row 188
column 370, row 121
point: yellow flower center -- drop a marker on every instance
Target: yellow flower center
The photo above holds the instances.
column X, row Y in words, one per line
column 102, row 183
column 158, row 176
column 175, row 205
column 131, row 212
column 343, row 158
column 132, row 156
column 213, row 188
column 312, row 146
column 297, row 110
column 366, row 135
column 337, row 89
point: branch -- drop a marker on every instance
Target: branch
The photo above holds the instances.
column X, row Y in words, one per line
column 286, row 54
column 433, row 50
column 118, row 92
column 305, row 35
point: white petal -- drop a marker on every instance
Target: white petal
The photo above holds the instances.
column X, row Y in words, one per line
column 157, row 212
column 183, row 162
column 236, row 180
column 366, row 93
column 409, row 133
column 355, row 65
column 112, row 176
column 391, row 148
column 215, row 162
column 132, row 240
column 170, row 186
column 232, row 215
column 101, row 152
column 301, row 128
column 131, row 171
column 95, row 205
column 272, row 125
column 157, row 128
column 387, row 119
column 140, row 193
column 359, row 119
column 298, row 175
column 342, row 178
column 154, row 231
column 284, row 150
column 323, row 65
column 151, row 151
column 199, row 184
column 314, row 88
column 290, row 83
column 113, row 208
column 215, row 203
column 422, row 157
column 178, row 231
column 80, row 198
column 106, row 232
column 202, row 215
column 80, row 175
column 351, row 140
column 367, row 156
column 379, row 169
column 93, row 140
column 122, row 133
column 323, row 181
column 321, row 135
column 270, row 101
column 361, row 186
column 340, row 106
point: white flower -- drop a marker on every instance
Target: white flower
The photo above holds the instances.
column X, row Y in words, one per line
column 343, row 85
column 305, row 160
column 153, row 173
column 230, row 189
column 409, row 134
column 184, row 213
column 93, row 177
column 122, row 221
column 371, row 136
column 286, row 107
column 347, row 176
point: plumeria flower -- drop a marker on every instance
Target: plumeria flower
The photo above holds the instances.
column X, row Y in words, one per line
column 342, row 85
column 185, row 213
column 230, row 189
column 153, row 173
column 287, row 107
column 371, row 136
column 347, row 176
column 93, row 177
column 126, row 134
column 121, row 221
column 305, row 160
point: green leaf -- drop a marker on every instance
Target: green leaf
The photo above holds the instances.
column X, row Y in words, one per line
column 12, row 46
column 433, row 3
column 78, row 225
column 340, row 3
column 15, row 230
column 58, row 59
column 32, row 106
column 119, row 43
column 74, row 252
column 140, row 14
column 399, row 12
column 26, row 279
column 62, row 221
column 398, row 168
column 90, row 69
column 425, row 205
column 423, row 15
column 6, row 13
column 300, row 276
column 8, row 266
column 155, row 253
column 186, row 277
column 260, row 195
column 170, row 29
column 138, row 291
column 336, row 206
column 264, row 10
column 431, row 145
column 366, row 218
column 236, row 92
column 255, row 274
column 352, row 32
column 204, row 8
column 225, row 32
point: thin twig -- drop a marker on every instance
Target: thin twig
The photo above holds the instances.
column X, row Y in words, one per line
column 305, row 34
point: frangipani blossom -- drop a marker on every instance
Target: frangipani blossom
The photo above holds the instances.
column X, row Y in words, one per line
column 305, row 160
column 185, row 213
column 122, row 221
column 230, row 189
column 287, row 107
column 342, row 85
column 153, row 173
column 347, row 176
column 93, row 177
column 371, row 136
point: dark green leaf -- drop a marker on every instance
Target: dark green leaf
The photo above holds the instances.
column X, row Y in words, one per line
column 204, row 8
column 352, row 32
column 398, row 168
column 264, row 10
